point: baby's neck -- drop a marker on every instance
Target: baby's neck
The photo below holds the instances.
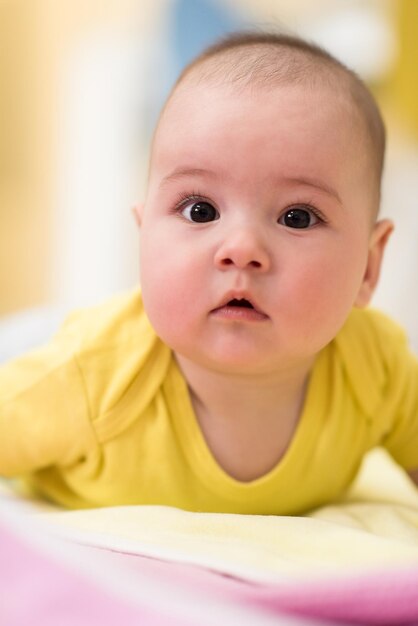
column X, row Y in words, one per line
column 247, row 422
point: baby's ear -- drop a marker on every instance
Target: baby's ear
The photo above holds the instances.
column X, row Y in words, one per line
column 137, row 211
column 378, row 240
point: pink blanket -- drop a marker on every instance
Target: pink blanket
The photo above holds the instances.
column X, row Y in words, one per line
column 46, row 581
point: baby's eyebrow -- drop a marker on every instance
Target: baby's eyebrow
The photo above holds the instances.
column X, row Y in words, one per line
column 183, row 172
column 316, row 183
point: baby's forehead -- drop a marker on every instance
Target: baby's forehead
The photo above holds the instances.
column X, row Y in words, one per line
column 217, row 103
column 240, row 135
column 329, row 82
column 262, row 67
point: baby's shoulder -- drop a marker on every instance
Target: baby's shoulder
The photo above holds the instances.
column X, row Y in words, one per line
column 374, row 353
column 119, row 357
column 370, row 331
column 117, row 320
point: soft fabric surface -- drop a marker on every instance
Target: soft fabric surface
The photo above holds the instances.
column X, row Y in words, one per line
column 355, row 562
column 48, row 582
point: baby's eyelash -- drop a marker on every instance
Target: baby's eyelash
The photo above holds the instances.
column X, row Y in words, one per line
column 309, row 206
column 184, row 198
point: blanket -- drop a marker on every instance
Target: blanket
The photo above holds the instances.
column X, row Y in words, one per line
column 355, row 562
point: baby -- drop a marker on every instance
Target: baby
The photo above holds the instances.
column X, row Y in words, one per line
column 247, row 375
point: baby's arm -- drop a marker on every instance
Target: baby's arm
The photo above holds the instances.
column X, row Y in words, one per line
column 395, row 366
column 43, row 411
column 402, row 441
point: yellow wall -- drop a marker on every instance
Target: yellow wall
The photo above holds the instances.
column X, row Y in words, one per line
column 35, row 36
column 405, row 81
column 24, row 155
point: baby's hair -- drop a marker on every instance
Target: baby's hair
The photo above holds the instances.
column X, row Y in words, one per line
column 258, row 60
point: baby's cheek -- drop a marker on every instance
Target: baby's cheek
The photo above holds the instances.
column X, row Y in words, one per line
column 321, row 293
column 166, row 303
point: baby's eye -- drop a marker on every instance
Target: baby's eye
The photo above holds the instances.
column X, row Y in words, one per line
column 299, row 217
column 200, row 212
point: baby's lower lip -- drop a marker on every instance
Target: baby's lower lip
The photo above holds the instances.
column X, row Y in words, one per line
column 238, row 313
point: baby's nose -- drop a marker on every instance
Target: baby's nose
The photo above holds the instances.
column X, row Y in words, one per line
column 242, row 250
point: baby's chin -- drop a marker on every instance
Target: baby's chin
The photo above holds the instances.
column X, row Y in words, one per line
column 225, row 368
column 241, row 361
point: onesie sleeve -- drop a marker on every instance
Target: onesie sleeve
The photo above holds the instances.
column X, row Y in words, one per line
column 44, row 418
column 401, row 397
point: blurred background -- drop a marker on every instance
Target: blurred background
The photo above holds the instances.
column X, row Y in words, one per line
column 81, row 86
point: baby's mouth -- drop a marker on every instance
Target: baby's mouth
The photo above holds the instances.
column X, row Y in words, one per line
column 242, row 302
column 237, row 308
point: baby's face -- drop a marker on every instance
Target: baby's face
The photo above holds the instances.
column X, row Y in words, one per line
column 263, row 197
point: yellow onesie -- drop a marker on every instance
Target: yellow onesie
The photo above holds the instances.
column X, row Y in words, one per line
column 102, row 416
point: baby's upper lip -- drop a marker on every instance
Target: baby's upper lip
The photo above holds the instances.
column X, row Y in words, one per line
column 237, row 294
